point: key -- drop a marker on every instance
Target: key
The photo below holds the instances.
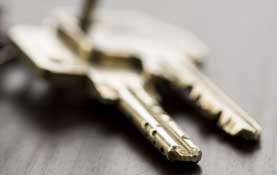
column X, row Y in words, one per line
column 163, row 62
column 144, row 110
column 112, row 79
column 199, row 90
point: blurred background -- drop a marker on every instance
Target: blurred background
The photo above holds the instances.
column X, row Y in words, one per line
column 46, row 131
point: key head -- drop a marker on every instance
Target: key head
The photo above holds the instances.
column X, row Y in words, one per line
column 54, row 61
column 133, row 32
column 52, row 54
column 146, row 28
column 148, row 39
column 47, row 55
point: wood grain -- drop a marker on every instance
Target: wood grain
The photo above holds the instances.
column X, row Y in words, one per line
column 46, row 131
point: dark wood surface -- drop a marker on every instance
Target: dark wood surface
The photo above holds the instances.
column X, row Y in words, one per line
column 43, row 131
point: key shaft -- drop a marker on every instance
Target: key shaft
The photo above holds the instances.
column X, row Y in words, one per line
column 211, row 100
column 159, row 128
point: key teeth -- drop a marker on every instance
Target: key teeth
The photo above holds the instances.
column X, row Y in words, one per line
column 252, row 133
column 183, row 155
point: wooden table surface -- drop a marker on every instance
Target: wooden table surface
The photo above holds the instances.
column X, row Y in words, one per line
column 43, row 131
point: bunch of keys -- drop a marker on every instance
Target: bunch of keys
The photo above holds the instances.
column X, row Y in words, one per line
column 121, row 57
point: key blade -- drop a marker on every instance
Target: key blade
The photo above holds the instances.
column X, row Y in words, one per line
column 158, row 126
column 124, row 88
column 212, row 101
column 236, row 126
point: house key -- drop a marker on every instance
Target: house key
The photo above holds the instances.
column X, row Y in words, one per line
column 168, row 55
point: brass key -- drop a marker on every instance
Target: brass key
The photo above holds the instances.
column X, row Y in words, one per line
column 163, row 59
column 129, row 89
